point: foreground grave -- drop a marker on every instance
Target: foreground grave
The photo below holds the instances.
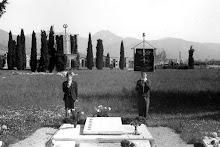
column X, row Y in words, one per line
column 100, row 130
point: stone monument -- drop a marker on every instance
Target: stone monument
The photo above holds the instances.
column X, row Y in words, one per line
column 67, row 46
column 101, row 131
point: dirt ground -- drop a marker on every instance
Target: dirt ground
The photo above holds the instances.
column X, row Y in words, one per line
column 164, row 137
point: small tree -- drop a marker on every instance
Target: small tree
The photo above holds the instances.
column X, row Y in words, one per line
column 99, row 54
column 77, row 61
column 2, row 7
column 2, row 61
column 89, row 56
column 191, row 59
column 108, row 60
column 122, row 57
column 23, row 49
column 44, row 61
column 51, row 50
column 19, row 56
column 61, row 62
column 10, row 52
column 33, row 61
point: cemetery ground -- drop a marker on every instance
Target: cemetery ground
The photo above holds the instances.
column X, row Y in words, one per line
column 186, row 101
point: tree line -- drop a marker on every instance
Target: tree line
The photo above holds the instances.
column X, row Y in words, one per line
column 99, row 56
column 16, row 57
column 53, row 58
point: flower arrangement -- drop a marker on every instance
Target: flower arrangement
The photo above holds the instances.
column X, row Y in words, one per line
column 75, row 117
column 101, row 111
column 137, row 122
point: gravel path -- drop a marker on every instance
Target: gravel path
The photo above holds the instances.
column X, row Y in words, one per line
column 164, row 137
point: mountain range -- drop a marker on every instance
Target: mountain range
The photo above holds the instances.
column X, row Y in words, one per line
column 112, row 42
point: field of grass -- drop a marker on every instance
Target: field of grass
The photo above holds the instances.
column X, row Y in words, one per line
column 184, row 100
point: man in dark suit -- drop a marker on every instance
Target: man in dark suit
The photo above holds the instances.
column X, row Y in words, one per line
column 143, row 88
column 70, row 89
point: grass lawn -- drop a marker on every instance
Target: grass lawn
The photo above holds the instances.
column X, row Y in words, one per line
column 184, row 100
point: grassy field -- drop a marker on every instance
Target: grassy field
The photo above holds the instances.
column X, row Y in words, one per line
column 184, row 100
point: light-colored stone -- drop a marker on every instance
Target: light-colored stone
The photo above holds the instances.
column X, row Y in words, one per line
column 164, row 137
column 103, row 125
column 67, row 132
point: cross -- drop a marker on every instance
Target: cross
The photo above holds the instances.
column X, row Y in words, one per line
column 65, row 26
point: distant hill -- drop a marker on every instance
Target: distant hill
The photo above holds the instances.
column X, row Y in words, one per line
column 4, row 41
column 112, row 42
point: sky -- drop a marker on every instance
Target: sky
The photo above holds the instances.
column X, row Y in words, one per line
column 191, row 20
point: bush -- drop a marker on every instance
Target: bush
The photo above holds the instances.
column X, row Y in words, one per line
column 61, row 63
column 2, row 62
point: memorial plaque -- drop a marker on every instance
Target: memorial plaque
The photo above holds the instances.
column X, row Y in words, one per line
column 103, row 125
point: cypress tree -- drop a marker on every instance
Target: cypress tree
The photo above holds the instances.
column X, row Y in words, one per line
column 108, row 60
column 10, row 52
column 14, row 53
column 59, row 43
column 99, row 55
column 61, row 62
column 122, row 57
column 191, row 59
column 51, row 50
column 61, row 59
column 19, row 60
column 44, row 61
column 89, row 56
column 23, row 49
column 74, row 45
column 77, row 61
column 33, row 60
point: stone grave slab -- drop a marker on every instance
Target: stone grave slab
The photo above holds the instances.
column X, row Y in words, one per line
column 67, row 132
column 103, row 125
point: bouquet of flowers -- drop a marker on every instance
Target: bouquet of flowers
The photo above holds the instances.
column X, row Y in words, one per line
column 101, row 111
column 75, row 117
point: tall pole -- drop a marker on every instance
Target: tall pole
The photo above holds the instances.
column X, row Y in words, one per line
column 144, row 47
column 65, row 26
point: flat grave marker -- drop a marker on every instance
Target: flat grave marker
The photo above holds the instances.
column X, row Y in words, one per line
column 103, row 125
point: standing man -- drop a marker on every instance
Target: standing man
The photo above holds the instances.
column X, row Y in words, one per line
column 70, row 90
column 143, row 88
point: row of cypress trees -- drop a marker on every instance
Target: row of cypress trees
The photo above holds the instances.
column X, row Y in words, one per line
column 99, row 55
column 16, row 52
column 48, row 59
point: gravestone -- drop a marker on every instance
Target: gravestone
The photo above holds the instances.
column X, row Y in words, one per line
column 103, row 125
column 101, row 130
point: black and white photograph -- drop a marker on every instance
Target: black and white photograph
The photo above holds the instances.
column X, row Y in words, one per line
column 109, row 73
